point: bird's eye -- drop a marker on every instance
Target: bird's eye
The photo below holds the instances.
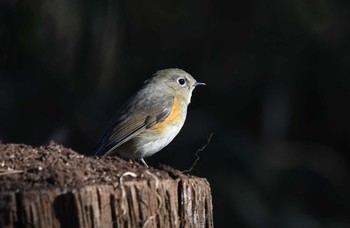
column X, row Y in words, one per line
column 181, row 81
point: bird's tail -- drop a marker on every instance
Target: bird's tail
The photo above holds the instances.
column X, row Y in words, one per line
column 98, row 150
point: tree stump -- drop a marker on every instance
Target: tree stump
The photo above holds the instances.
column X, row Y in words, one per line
column 56, row 187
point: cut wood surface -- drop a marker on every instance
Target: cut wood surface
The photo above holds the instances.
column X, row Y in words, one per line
column 54, row 186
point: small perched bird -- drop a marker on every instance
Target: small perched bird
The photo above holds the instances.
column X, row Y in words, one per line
column 151, row 118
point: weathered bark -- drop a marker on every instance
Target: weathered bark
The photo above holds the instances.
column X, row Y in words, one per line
column 183, row 202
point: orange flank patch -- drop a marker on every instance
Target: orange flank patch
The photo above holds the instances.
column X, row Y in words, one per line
column 174, row 117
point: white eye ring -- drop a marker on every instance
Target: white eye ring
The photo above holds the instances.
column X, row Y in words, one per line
column 181, row 81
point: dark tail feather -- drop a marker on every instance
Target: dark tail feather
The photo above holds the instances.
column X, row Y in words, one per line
column 99, row 149
column 101, row 145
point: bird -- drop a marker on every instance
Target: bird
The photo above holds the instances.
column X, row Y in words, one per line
column 151, row 118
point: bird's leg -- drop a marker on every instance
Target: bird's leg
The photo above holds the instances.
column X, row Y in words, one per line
column 143, row 161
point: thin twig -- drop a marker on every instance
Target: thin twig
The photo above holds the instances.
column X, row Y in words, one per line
column 123, row 190
column 8, row 172
column 197, row 154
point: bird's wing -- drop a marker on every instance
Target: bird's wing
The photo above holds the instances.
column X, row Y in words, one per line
column 126, row 127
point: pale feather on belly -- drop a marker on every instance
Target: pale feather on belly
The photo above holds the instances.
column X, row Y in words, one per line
column 147, row 146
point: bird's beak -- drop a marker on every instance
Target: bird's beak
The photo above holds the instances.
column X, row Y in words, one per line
column 199, row 84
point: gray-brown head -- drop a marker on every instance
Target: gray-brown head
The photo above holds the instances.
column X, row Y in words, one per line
column 177, row 81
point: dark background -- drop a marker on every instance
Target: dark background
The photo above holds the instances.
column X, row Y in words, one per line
column 276, row 100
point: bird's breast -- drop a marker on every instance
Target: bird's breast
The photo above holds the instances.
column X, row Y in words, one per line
column 176, row 117
column 160, row 135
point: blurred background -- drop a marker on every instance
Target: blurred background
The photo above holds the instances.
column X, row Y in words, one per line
column 276, row 100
